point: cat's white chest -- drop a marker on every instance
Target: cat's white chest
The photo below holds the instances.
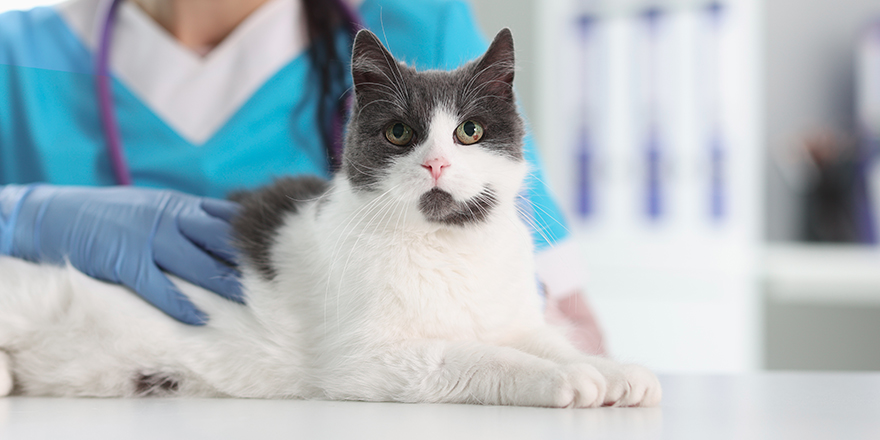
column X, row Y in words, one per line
column 376, row 281
column 429, row 288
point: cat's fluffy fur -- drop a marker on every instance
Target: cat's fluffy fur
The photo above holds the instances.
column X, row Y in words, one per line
column 385, row 285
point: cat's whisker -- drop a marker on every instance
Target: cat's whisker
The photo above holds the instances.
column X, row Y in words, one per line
column 476, row 100
column 309, row 200
column 484, row 84
column 535, row 229
column 396, row 82
column 474, row 77
column 397, row 103
column 397, row 73
column 397, row 228
column 368, row 171
column 360, row 166
column 545, row 231
column 334, row 259
column 373, row 67
column 375, row 101
column 525, row 217
column 370, row 83
column 400, row 94
column 347, row 261
column 400, row 207
column 471, row 91
column 405, row 215
column 345, row 93
column 540, row 230
column 546, row 214
column 390, row 209
column 365, row 210
column 467, row 205
column 360, row 215
column 356, row 215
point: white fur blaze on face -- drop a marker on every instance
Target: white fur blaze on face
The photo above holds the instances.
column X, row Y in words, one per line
column 464, row 171
column 439, row 148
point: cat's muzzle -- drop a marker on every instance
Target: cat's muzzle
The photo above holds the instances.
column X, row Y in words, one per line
column 439, row 206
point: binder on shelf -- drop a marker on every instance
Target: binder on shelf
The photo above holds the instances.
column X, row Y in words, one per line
column 868, row 102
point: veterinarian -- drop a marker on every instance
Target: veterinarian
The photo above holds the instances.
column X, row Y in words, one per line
column 105, row 105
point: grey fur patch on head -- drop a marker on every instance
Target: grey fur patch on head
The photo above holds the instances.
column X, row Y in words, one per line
column 256, row 226
column 387, row 91
column 439, row 206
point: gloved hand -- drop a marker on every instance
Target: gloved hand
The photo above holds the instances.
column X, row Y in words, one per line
column 126, row 235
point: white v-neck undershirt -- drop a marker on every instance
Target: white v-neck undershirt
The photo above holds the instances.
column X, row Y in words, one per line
column 193, row 94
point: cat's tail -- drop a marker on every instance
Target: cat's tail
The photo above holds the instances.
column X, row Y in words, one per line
column 26, row 297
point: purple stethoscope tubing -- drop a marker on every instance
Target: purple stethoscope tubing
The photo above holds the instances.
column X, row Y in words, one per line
column 113, row 139
column 105, row 100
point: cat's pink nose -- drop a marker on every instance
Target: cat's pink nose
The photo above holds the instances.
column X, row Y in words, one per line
column 435, row 166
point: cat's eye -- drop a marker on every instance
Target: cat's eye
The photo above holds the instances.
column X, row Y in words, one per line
column 469, row 132
column 399, row 133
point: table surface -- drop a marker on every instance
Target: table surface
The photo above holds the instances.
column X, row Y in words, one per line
column 762, row 406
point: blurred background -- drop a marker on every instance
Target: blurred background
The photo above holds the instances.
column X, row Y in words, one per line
column 718, row 163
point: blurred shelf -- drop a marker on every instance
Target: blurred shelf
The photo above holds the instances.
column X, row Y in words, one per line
column 818, row 273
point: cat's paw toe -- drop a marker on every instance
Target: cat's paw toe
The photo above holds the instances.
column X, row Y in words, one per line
column 588, row 384
column 578, row 386
column 645, row 387
column 548, row 388
column 561, row 394
column 633, row 385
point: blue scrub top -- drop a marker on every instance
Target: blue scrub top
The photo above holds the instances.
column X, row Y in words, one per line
column 50, row 130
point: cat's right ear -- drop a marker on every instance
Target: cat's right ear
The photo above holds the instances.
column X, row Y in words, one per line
column 372, row 66
column 493, row 72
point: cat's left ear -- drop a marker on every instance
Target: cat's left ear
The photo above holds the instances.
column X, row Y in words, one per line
column 494, row 70
column 372, row 66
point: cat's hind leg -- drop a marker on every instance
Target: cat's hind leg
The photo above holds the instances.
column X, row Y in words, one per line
column 5, row 374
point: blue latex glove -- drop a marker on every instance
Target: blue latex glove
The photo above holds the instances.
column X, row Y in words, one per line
column 126, row 235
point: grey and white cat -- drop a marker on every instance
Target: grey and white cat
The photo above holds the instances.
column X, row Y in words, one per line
column 409, row 277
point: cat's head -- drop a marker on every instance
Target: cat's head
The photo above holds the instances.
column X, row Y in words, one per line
column 448, row 144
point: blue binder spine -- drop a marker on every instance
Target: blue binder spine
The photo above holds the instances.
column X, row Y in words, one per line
column 716, row 141
column 584, row 193
column 653, row 149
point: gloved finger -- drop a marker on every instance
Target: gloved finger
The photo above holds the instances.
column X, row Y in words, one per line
column 209, row 233
column 222, row 209
column 187, row 261
column 152, row 285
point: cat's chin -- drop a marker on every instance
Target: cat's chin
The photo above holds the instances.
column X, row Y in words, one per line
column 438, row 206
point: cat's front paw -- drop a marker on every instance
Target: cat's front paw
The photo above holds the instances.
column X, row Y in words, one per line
column 632, row 385
column 570, row 386
column 588, row 384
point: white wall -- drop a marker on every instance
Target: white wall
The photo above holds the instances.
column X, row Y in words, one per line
column 492, row 16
